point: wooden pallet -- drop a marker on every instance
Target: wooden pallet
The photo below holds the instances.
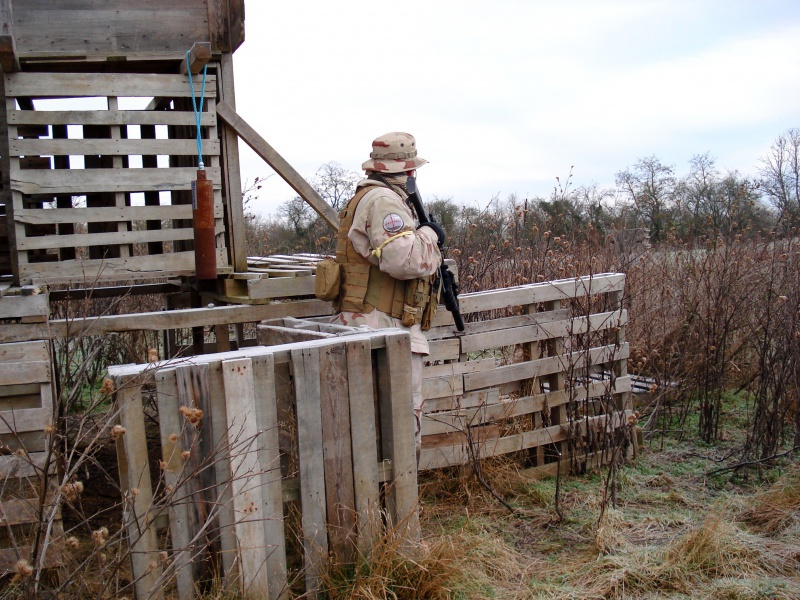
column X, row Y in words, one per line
column 26, row 414
column 349, row 401
column 527, row 368
column 110, row 220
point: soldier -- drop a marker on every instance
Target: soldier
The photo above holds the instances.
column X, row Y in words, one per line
column 388, row 263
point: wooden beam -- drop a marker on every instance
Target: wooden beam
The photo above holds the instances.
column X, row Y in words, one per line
column 278, row 163
column 199, row 56
column 9, row 61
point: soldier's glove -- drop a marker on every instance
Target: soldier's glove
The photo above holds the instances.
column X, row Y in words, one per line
column 437, row 230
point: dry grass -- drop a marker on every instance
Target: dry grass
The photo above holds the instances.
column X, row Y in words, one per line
column 777, row 510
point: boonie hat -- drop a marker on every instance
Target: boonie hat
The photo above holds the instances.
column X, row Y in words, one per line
column 394, row 152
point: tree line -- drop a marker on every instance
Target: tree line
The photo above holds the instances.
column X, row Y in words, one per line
column 649, row 195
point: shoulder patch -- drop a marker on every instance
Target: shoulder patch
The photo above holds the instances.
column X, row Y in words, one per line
column 393, row 223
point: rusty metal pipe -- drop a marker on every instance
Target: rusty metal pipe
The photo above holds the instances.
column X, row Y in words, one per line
column 205, row 246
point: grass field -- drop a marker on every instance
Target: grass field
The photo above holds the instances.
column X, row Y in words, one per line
column 674, row 533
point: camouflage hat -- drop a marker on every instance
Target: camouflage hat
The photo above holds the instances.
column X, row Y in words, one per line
column 394, row 152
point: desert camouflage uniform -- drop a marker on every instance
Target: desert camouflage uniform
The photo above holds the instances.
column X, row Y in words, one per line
column 380, row 216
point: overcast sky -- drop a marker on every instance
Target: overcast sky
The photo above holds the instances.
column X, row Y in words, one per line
column 505, row 96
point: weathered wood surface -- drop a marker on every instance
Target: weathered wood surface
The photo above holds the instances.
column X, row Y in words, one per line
column 181, row 531
column 365, row 450
column 115, row 269
column 71, row 85
column 47, row 29
column 134, row 472
column 267, row 422
column 397, row 432
column 306, row 367
column 248, row 502
column 109, row 117
column 83, row 181
column 102, row 214
column 337, row 450
column 112, row 147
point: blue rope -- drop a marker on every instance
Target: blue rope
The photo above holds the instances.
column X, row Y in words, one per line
column 198, row 113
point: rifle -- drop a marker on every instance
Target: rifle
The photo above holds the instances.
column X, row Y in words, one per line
column 449, row 287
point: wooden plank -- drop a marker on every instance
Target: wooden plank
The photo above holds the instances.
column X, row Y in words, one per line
column 61, row 30
column 105, row 239
column 243, row 442
column 86, row 181
column 115, row 269
column 67, row 85
column 110, row 117
column 458, row 368
column 397, row 433
column 173, row 319
column 110, row 147
column 544, row 366
column 449, row 349
column 25, row 419
column 24, row 372
column 13, row 307
column 440, row 387
column 138, row 491
column 532, row 333
column 199, row 483
column 170, row 425
column 266, row 411
column 337, row 451
column 31, row 464
column 199, row 56
column 269, row 335
column 15, row 511
column 279, row 287
column 237, row 240
column 101, row 214
column 468, row 400
column 365, row 449
column 535, row 293
column 500, row 324
column 23, row 351
column 306, row 366
column 222, row 468
column 278, row 163
column 459, row 419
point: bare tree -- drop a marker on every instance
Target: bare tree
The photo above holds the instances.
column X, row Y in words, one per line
column 780, row 177
column 650, row 186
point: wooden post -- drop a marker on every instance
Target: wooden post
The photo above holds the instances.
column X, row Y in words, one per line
column 243, row 442
column 397, row 433
column 306, row 366
column 170, row 426
column 337, row 451
column 266, row 411
column 365, row 449
column 199, row 482
column 137, row 488
column 232, row 179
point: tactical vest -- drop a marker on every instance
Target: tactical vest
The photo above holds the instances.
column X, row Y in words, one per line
column 364, row 287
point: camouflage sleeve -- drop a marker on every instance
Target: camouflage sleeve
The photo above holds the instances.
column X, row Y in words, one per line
column 383, row 220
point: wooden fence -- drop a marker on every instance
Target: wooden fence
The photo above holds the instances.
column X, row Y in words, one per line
column 315, row 434
column 323, row 425
column 539, row 368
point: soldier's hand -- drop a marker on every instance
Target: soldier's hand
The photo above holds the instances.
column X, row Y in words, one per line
column 437, row 230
